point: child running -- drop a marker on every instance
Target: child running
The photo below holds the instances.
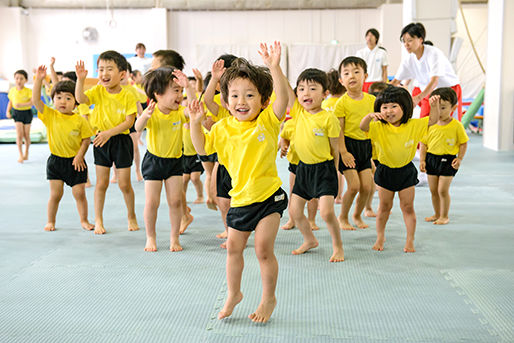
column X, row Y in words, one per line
column 69, row 136
column 442, row 151
column 396, row 136
column 246, row 142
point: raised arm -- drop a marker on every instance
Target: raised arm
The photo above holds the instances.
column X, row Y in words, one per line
column 36, row 90
column 196, row 115
column 145, row 116
column 81, row 72
column 217, row 71
column 435, row 109
column 271, row 58
column 53, row 74
column 199, row 80
column 364, row 125
column 181, row 80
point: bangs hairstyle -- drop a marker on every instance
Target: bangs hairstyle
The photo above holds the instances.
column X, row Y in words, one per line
column 356, row 61
column 71, row 75
column 446, row 94
column 314, row 75
column 170, row 58
column 64, row 87
column 23, row 73
column 414, row 30
column 399, row 96
column 375, row 33
column 334, row 86
column 156, row 81
column 259, row 76
column 227, row 59
column 116, row 57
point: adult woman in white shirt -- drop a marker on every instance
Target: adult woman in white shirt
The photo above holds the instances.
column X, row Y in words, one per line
column 427, row 66
column 376, row 59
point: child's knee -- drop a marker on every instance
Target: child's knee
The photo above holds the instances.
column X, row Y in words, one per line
column 385, row 207
column 327, row 214
column 407, row 208
column 175, row 203
column 353, row 188
column 443, row 192
column 263, row 253
column 125, row 187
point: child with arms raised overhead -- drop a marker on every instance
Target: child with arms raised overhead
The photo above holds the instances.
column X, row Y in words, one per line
column 442, row 151
column 113, row 115
column 396, row 136
column 247, row 143
column 69, row 136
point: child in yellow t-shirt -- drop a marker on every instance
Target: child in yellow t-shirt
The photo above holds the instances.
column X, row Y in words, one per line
column 442, row 151
column 396, row 136
column 113, row 115
column 69, row 136
column 20, row 102
column 246, row 143
column 164, row 119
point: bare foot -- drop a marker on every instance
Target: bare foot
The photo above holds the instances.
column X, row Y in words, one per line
column 230, row 303
column 50, row 227
column 314, row 227
column 359, row 222
column 175, row 246
column 87, row 225
column 306, row 246
column 431, row 218
column 337, row 256
column 198, row 200
column 289, row 225
column 379, row 244
column 26, row 156
column 184, row 223
column 345, row 224
column 139, row 177
column 223, row 245
column 369, row 213
column 20, row 160
column 211, row 205
column 409, row 247
column 222, row 235
column 151, row 245
column 264, row 311
column 132, row 225
column 338, row 200
column 442, row 221
column 99, row 228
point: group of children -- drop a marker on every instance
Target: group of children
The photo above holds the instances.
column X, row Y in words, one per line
column 236, row 135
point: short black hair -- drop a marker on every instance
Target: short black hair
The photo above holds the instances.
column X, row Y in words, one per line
column 64, row 87
column 427, row 42
column 334, row 86
column 374, row 32
column 23, row 73
column 170, row 58
column 59, row 73
column 156, row 81
column 116, row 57
column 398, row 95
column 140, row 45
column 135, row 72
column 357, row 61
column 414, row 30
column 314, row 75
column 227, row 59
column 378, row 87
column 446, row 94
column 70, row 75
column 257, row 75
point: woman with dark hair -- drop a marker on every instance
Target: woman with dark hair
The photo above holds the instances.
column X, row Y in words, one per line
column 427, row 66
column 376, row 59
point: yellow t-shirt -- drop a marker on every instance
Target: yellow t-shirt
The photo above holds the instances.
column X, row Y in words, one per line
column 189, row 149
column 396, row 146
column 20, row 96
column 82, row 109
column 65, row 132
column 329, row 104
column 288, row 133
column 110, row 109
column 353, row 111
column 142, row 98
column 248, row 150
column 164, row 137
column 312, row 134
column 445, row 139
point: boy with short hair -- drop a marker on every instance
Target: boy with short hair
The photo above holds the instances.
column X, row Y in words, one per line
column 316, row 143
column 167, row 58
column 113, row 115
column 442, row 151
column 69, row 136
column 354, row 144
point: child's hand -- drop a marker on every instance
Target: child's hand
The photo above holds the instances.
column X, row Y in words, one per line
column 456, row 163
column 377, row 116
column 180, row 78
column 101, row 138
column 197, row 74
column 271, row 58
column 149, row 109
column 218, row 68
column 435, row 102
column 348, row 159
column 196, row 112
column 40, row 73
column 8, row 115
column 416, row 99
column 78, row 163
column 80, row 70
column 52, row 62
column 423, row 166
column 283, row 149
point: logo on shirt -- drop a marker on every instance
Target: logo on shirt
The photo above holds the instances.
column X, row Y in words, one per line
column 409, row 143
column 176, row 125
column 318, row 132
column 450, row 141
column 74, row 132
column 261, row 137
column 120, row 111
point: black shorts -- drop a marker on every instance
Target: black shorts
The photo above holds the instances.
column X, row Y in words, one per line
column 316, row 180
column 292, row 168
column 361, row 151
column 23, row 116
column 246, row 218
column 440, row 165
column 209, row 158
column 223, row 182
column 376, row 163
column 160, row 168
column 396, row 179
column 119, row 150
column 191, row 164
column 61, row 168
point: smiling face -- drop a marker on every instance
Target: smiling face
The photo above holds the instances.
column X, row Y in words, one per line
column 19, row 81
column 411, row 43
column 310, row 95
column 244, row 100
column 64, row 102
column 393, row 112
column 171, row 99
column 352, row 77
column 109, row 74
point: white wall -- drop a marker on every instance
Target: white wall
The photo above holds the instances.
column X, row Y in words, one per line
column 13, row 42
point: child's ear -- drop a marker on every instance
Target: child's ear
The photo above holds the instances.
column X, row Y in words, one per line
column 341, row 81
column 365, row 76
column 266, row 104
column 454, row 108
column 326, row 93
column 123, row 74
